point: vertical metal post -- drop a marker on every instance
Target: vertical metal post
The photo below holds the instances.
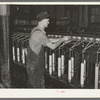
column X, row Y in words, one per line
column 5, row 70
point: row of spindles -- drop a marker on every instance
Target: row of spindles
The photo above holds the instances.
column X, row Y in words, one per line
column 56, row 62
column 19, row 48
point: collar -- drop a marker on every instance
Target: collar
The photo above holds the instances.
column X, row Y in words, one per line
column 41, row 29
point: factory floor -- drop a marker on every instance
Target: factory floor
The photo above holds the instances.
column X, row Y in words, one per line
column 19, row 80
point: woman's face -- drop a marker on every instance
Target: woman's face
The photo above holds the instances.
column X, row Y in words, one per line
column 45, row 22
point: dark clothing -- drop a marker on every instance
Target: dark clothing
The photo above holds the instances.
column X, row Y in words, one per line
column 35, row 62
column 35, row 66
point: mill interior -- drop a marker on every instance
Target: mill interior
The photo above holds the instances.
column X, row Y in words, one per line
column 75, row 64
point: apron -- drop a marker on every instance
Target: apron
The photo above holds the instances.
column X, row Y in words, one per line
column 35, row 68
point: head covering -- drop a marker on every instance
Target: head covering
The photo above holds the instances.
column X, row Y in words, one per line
column 42, row 15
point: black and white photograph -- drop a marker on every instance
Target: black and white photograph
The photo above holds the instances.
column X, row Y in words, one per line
column 50, row 46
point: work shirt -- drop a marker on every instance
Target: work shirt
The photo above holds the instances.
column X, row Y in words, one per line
column 37, row 39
